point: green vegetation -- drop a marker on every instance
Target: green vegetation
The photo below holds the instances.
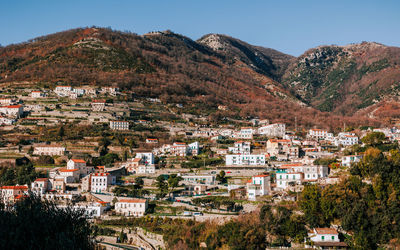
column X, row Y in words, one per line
column 197, row 162
column 40, row 224
column 367, row 210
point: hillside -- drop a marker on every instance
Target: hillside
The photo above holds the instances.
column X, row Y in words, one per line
column 171, row 67
column 346, row 79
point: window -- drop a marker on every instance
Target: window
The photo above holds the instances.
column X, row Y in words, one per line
column 323, row 237
column 333, row 237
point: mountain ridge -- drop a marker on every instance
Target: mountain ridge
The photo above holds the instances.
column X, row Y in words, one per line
column 252, row 81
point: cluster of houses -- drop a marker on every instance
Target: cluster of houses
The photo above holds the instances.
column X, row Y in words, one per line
column 10, row 110
column 73, row 93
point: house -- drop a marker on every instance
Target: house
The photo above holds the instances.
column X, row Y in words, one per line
column 318, row 134
column 10, row 194
column 146, row 158
column 244, row 133
column 131, row 207
column 273, row 130
column 98, row 105
column 63, row 91
column 101, row 181
column 179, row 149
column 194, row 148
column 326, row 238
column 40, row 186
column 6, row 121
column 151, row 141
column 247, row 159
column 12, row 110
column 346, row 139
column 119, row 125
column 259, row 185
column 49, row 150
column 350, row 159
column 6, row 101
column 94, row 209
column 37, row 94
column 69, row 175
column 80, row 165
column 79, row 91
column 240, row 147
column 286, row 178
column 58, row 185
column 199, row 179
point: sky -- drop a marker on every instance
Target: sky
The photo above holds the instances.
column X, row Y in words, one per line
column 290, row 26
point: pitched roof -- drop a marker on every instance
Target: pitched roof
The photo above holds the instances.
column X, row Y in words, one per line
column 68, row 170
column 261, row 175
column 133, row 200
column 14, row 187
column 101, row 174
column 325, row 230
column 78, row 160
column 42, row 179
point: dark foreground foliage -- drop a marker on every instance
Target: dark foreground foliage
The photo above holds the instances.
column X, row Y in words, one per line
column 36, row 224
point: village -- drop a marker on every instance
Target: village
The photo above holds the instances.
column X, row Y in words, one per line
column 115, row 155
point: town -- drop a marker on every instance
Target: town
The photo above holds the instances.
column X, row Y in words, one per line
column 115, row 156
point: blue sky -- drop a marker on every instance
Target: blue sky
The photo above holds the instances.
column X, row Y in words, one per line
column 288, row 26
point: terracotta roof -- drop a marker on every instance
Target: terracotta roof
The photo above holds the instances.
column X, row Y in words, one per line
column 14, row 106
column 133, row 200
column 326, row 230
column 42, row 179
column 68, row 170
column 99, row 101
column 330, row 244
column 261, row 175
column 137, row 160
column 101, row 174
column 78, row 161
column 14, row 187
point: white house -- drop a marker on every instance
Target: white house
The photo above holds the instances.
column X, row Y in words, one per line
column 6, row 121
column 317, row 133
column 40, row 186
column 240, row 147
column 146, row 158
column 246, row 159
column 49, row 150
column 69, row 175
column 196, row 179
column 98, row 105
column 258, row 186
column 346, row 139
column 325, row 238
column 12, row 110
column 273, row 130
column 101, row 181
column 37, row 94
column 119, row 125
column 80, row 165
column 194, row 148
column 131, row 207
column 63, row 90
column 350, row 159
column 285, row 178
column 10, row 194
column 6, row 101
column 244, row 133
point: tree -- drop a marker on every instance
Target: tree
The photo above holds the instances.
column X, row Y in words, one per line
column 59, row 228
column 221, row 177
column 162, row 186
column 173, row 182
column 373, row 138
column 139, row 182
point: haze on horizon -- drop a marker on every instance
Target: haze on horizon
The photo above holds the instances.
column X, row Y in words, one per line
column 291, row 27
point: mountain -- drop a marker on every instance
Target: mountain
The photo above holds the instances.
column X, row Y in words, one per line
column 346, row 79
column 201, row 75
column 269, row 62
